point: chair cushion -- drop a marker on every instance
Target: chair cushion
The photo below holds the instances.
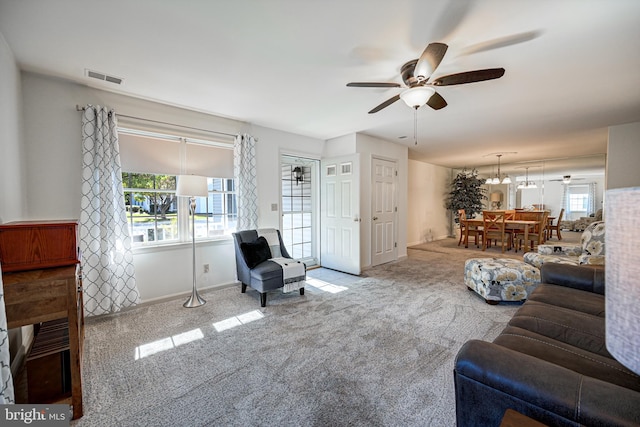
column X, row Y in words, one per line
column 255, row 252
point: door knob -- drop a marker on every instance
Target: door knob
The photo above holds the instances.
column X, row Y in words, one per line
column 375, row 218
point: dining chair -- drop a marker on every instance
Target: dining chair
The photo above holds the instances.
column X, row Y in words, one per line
column 556, row 226
column 474, row 231
column 495, row 228
column 536, row 234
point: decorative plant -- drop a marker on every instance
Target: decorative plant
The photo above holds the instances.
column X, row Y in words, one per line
column 466, row 193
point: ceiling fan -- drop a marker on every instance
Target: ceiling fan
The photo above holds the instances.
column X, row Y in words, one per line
column 416, row 75
column 566, row 179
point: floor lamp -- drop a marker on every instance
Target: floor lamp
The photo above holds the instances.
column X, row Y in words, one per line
column 193, row 186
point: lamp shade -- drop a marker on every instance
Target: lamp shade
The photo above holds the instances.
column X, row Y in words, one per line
column 496, row 197
column 622, row 260
column 417, row 96
column 192, row 186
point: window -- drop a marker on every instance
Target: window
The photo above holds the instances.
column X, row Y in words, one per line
column 221, row 210
column 153, row 209
column 152, row 163
column 578, row 202
column 151, row 206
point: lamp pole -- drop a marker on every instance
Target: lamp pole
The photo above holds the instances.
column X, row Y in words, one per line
column 194, row 300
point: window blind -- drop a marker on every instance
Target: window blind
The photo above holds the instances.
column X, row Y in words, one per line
column 173, row 155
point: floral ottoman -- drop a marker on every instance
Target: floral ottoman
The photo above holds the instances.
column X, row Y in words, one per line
column 500, row 279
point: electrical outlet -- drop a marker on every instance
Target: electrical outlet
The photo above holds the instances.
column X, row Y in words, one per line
column 206, row 268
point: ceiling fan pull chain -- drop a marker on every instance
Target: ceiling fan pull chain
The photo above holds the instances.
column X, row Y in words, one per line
column 415, row 125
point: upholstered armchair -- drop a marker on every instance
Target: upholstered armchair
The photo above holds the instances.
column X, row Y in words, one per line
column 582, row 223
column 589, row 251
column 263, row 263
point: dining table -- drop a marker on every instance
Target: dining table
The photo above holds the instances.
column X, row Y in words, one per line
column 512, row 224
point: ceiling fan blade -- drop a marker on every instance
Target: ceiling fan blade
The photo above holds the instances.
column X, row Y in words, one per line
column 406, row 71
column 500, row 42
column 469, row 77
column 429, row 60
column 436, row 101
column 372, row 84
column 385, row 104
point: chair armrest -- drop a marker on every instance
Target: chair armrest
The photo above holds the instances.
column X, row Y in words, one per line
column 591, row 259
column 583, row 277
column 490, row 378
column 562, row 250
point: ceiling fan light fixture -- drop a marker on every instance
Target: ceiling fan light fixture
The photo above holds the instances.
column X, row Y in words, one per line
column 416, row 97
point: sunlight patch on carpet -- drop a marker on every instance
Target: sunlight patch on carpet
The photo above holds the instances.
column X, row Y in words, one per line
column 167, row 343
column 325, row 286
column 238, row 320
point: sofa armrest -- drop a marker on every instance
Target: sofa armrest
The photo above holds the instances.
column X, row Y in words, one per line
column 583, row 277
column 561, row 250
column 489, row 379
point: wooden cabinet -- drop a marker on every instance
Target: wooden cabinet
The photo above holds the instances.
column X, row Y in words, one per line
column 39, row 297
column 30, row 245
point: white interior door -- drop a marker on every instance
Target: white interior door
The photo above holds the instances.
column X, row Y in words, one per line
column 340, row 214
column 384, row 211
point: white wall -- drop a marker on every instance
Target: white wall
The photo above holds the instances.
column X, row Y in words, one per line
column 427, row 190
column 271, row 144
column 623, row 152
column 53, row 156
column 12, row 173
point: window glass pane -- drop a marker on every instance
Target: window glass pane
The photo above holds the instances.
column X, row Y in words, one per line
column 153, row 215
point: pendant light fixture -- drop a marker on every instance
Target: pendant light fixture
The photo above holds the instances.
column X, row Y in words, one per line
column 526, row 183
column 497, row 179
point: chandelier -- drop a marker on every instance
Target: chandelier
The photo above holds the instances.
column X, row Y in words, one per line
column 526, row 183
column 497, row 178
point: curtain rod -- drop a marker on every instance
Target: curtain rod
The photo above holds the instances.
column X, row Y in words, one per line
column 79, row 108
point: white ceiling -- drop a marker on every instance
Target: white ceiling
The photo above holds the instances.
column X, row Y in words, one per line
column 572, row 66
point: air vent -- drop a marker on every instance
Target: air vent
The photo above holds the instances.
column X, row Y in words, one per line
column 104, row 77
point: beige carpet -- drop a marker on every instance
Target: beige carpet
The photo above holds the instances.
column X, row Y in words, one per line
column 375, row 350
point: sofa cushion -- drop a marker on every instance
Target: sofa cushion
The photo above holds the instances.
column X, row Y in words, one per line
column 592, row 239
column 255, row 252
column 581, row 330
column 570, row 357
column 574, row 299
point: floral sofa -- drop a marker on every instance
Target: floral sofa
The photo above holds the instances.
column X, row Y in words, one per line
column 582, row 223
column 591, row 249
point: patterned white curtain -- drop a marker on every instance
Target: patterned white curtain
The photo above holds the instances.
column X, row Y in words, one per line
column 107, row 260
column 6, row 381
column 592, row 198
column 244, row 171
column 565, row 201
